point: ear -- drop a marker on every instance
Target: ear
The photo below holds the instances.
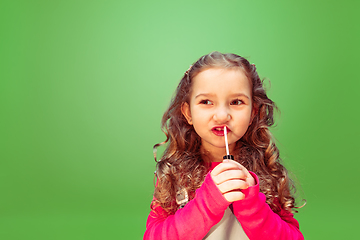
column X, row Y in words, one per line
column 253, row 114
column 185, row 109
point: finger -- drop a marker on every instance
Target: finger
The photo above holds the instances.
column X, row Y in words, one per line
column 249, row 178
column 250, row 181
column 240, row 166
column 232, row 185
column 228, row 175
column 234, row 196
column 224, row 166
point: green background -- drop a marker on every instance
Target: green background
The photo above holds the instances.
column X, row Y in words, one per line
column 84, row 85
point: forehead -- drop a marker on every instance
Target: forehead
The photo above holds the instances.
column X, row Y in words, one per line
column 220, row 80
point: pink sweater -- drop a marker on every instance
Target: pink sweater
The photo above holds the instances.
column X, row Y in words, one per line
column 207, row 208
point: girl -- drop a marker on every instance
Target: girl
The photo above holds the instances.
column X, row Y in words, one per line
column 199, row 195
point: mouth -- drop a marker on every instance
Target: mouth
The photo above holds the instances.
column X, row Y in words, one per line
column 219, row 130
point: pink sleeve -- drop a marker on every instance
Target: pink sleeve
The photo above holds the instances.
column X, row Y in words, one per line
column 260, row 222
column 191, row 222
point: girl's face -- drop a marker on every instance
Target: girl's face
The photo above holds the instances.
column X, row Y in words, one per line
column 219, row 98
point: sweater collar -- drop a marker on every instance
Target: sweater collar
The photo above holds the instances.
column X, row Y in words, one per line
column 213, row 165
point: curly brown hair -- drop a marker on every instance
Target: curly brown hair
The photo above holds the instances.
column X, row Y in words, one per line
column 182, row 165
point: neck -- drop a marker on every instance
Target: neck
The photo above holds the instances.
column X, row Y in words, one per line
column 215, row 154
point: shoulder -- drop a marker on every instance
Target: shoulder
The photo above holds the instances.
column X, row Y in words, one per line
column 285, row 215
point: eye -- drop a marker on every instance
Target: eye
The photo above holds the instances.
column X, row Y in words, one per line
column 206, row 102
column 236, row 102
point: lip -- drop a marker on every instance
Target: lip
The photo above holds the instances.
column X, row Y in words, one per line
column 219, row 130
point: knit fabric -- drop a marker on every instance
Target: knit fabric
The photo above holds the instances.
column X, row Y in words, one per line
column 207, row 208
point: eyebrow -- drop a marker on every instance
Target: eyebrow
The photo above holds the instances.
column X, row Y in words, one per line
column 240, row 95
column 212, row 95
column 204, row 95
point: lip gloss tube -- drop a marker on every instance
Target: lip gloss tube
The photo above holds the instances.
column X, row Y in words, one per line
column 227, row 156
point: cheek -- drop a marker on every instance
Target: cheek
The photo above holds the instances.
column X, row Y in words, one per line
column 243, row 121
column 244, row 116
column 197, row 119
column 197, row 113
column 200, row 119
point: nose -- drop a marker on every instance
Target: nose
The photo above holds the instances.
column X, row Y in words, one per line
column 222, row 115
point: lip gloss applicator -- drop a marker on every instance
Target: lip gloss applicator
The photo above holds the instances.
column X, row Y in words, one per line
column 227, row 156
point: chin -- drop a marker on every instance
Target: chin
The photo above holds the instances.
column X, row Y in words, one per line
column 220, row 145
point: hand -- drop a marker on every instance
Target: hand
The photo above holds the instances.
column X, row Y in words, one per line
column 231, row 177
